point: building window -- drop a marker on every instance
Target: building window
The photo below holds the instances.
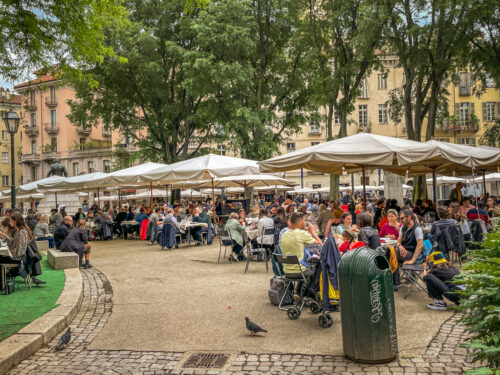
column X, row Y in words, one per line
column 464, row 112
column 90, row 166
column 107, row 166
column 53, row 118
column 467, row 141
column 52, row 93
column 442, row 140
column 33, row 146
column 5, row 180
column 314, row 128
column 490, row 82
column 53, row 144
column 290, row 147
column 32, row 98
column 365, row 94
column 363, row 114
column 315, row 143
column 336, row 119
column 5, row 158
column 33, row 174
column 75, row 169
column 489, row 110
column 33, row 120
column 221, row 150
column 4, row 135
column 382, row 114
column 382, row 82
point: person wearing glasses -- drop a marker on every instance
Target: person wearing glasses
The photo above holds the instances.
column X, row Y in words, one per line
column 411, row 238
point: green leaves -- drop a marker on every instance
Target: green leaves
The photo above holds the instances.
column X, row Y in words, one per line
column 482, row 303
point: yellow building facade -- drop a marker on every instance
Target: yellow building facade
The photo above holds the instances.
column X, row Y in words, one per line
column 9, row 101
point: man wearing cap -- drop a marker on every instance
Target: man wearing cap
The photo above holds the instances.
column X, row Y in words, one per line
column 438, row 280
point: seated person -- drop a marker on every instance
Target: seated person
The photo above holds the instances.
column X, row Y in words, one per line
column 120, row 217
column 200, row 216
column 446, row 233
column 367, row 234
column 242, row 216
column 391, row 228
column 79, row 215
column 77, row 241
column 265, row 222
column 349, row 242
column 41, row 231
column 438, row 279
column 236, row 231
column 105, row 226
column 411, row 238
column 62, row 231
column 325, row 215
column 479, row 213
column 293, row 242
column 154, row 221
column 90, row 216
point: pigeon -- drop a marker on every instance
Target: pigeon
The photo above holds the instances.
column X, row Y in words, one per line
column 64, row 340
column 253, row 328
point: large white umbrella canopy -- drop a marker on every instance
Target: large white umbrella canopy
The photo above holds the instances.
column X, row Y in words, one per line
column 273, row 188
column 32, row 187
column 352, row 154
column 190, row 193
column 230, row 190
column 134, row 175
column 204, row 167
column 300, row 190
column 81, row 182
column 492, row 177
column 261, row 179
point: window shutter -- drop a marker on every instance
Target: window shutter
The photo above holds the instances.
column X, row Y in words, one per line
column 471, row 106
column 457, row 109
column 485, row 112
column 497, row 110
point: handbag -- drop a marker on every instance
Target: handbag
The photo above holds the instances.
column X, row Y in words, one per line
column 10, row 287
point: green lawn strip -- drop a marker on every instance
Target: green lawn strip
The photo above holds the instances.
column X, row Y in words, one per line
column 25, row 305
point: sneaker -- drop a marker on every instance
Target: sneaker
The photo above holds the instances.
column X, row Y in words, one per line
column 88, row 265
column 296, row 298
column 396, row 288
column 436, row 305
column 233, row 257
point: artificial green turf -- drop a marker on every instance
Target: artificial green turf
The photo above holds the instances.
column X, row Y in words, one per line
column 25, row 305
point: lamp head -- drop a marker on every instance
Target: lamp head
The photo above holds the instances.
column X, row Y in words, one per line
column 11, row 120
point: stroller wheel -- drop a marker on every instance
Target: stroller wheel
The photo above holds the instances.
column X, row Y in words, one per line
column 330, row 320
column 323, row 321
column 314, row 307
column 293, row 313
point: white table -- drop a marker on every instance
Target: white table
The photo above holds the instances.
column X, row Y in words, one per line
column 252, row 233
column 4, row 251
column 186, row 226
column 130, row 222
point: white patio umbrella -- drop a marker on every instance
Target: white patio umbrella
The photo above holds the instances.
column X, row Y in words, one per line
column 300, row 190
column 272, row 188
column 354, row 153
column 207, row 167
column 492, row 177
column 446, row 180
column 81, row 182
column 191, row 193
column 32, row 187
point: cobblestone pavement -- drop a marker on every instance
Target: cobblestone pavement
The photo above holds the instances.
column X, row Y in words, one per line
column 443, row 356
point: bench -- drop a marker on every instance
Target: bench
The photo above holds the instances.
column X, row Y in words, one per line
column 60, row 260
column 42, row 244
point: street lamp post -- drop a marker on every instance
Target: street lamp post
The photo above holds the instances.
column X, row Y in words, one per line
column 11, row 120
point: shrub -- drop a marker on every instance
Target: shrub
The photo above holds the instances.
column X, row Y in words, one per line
column 482, row 307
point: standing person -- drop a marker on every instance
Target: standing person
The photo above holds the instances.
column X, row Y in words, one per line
column 56, row 218
column 391, row 228
column 439, row 281
column 347, row 198
column 378, row 214
column 85, row 206
column 77, row 241
column 456, row 193
column 18, row 237
column 79, row 215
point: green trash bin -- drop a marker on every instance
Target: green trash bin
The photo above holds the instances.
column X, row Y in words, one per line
column 367, row 307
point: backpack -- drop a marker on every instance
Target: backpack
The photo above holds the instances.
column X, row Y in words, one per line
column 278, row 290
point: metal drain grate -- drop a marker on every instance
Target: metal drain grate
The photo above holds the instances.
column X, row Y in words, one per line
column 206, row 360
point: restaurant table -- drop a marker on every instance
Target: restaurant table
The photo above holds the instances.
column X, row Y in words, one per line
column 388, row 241
column 129, row 222
column 185, row 226
column 251, row 233
column 5, row 267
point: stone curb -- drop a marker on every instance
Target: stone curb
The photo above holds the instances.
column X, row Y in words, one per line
column 41, row 331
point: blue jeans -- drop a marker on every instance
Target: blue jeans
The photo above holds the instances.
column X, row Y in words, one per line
column 50, row 239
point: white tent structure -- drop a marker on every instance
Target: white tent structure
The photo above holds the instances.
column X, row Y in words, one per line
column 33, row 187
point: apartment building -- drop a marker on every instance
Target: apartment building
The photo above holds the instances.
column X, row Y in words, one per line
column 469, row 116
column 49, row 137
column 9, row 101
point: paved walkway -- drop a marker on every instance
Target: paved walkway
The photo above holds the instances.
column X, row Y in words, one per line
column 443, row 355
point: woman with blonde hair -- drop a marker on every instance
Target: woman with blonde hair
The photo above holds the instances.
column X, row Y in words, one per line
column 77, row 241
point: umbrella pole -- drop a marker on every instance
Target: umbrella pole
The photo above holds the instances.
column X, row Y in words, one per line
column 55, row 194
column 98, row 200
column 484, row 184
column 434, row 186
column 213, row 201
column 166, row 192
column 364, row 186
column 151, row 195
column 474, row 189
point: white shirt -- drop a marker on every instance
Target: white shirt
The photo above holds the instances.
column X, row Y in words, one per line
column 265, row 222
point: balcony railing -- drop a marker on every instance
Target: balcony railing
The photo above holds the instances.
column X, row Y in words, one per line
column 50, row 155
column 31, row 131
column 89, row 152
column 51, row 102
column 83, row 130
column 459, row 126
column 464, row 90
column 31, row 158
column 51, row 128
column 30, row 107
column 314, row 131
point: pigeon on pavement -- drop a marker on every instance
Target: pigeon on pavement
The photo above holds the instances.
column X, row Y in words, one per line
column 64, row 340
column 253, row 328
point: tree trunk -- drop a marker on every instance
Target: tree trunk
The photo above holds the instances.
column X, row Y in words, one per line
column 420, row 187
column 334, row 179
